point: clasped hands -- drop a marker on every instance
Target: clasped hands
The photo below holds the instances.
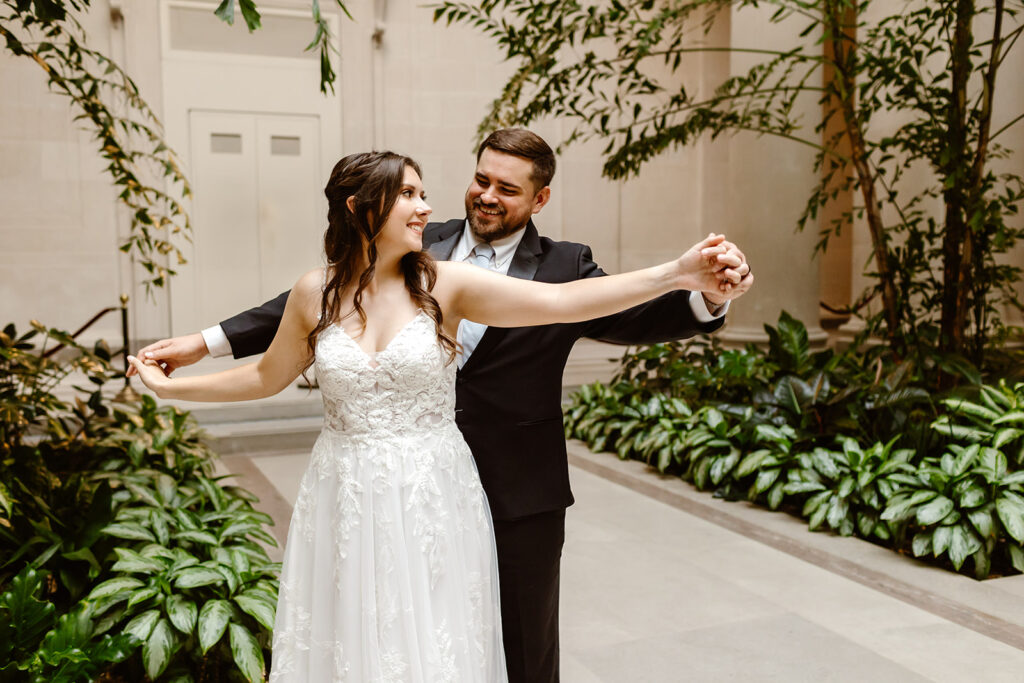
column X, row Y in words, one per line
column 716, row 268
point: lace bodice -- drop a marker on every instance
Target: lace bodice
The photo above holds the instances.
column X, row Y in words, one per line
column 407, row 387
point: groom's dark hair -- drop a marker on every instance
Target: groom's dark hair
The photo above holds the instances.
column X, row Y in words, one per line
column 522, row 143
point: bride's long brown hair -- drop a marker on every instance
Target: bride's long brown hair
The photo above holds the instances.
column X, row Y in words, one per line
column 374, row 180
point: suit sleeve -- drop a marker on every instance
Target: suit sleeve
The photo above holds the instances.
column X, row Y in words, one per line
column 251, row 332
column 667, row 318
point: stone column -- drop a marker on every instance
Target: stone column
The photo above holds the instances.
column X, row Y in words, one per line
column 755, row 188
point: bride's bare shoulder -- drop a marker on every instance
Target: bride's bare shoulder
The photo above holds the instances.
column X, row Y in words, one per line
column 309, row 287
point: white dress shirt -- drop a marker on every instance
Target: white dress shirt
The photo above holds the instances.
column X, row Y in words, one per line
column 504, row 249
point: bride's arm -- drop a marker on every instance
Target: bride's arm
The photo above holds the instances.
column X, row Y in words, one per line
column 276, row 369
column 466, row 291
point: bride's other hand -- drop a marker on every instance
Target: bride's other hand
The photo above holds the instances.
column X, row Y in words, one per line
column 151, row 374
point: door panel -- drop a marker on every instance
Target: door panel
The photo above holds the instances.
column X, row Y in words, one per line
column 258, row 213
column 225, row 215
column 292, row 206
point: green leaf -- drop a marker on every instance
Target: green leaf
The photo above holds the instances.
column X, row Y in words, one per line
column 132, row 562
column 32, row 616
column 120, row 584
column 765, row 480
column 250, row 14
column 203, row 537
column 934, row 510
column 1016, row 556
column 962, row 545
column 982, row 564
column 166, row 488
column 247, row 653
column 226, row 11
column 994, row 461
column 973, row 497
column 922, row 544
column 193, row 577
column 130, row 531
column 182, row 612
column 837, row 512
column 159, row 526
column 900, row 504
column 983, row 522
column 1005, row 436
column 156, row 651
column 751, row 463
column 142, row 625
column 258, row 609
column 941, row 538
column 1011, row 513
column 213, row 619
column 1015, row 416
column 141, row 595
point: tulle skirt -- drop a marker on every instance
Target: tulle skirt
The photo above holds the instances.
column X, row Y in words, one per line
column 390, row 571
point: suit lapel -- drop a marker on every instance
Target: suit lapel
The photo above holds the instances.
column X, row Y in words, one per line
column 447, row 236
column 527, row 257
column 524, row 266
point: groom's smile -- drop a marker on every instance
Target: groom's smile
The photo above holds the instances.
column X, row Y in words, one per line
column 502, row 196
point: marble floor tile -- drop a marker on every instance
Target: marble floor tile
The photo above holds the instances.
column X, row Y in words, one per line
column 284, row 472
column 782, row 648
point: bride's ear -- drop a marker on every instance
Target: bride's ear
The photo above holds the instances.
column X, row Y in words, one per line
column 351, row 203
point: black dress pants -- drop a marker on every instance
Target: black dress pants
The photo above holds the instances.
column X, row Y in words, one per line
column 529, row 553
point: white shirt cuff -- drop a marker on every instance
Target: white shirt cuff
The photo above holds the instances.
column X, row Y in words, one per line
column 700, row 309
column 218, row 344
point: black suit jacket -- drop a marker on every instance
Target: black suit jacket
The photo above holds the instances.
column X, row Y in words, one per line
column 508, row 394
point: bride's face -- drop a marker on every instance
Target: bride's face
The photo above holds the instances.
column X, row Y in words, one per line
column 403, row 229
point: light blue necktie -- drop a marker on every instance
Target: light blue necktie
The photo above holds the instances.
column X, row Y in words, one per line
column 470, row 332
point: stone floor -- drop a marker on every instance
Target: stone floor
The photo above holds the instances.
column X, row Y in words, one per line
column 653, row 592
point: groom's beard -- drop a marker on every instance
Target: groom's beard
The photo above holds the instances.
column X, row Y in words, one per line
column 493, row 227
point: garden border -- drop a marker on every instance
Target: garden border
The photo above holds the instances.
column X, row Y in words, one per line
column 993, row 608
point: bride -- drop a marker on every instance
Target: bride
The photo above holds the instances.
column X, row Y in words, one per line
column 390, row 571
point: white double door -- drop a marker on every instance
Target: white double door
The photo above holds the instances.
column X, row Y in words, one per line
column 259, row 211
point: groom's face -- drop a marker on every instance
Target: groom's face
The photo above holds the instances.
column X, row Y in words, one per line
column 502, row 196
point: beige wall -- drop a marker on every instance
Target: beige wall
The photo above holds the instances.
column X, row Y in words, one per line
column 422, row 91
column 58, row 244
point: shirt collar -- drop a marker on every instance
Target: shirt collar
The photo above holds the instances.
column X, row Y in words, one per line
column 504, row 249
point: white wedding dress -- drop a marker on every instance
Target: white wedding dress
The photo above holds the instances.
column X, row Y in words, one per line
column 390, row 571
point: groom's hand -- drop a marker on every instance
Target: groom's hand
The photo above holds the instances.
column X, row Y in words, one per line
column 711, row 265
column 735, row 280
column 171, row 354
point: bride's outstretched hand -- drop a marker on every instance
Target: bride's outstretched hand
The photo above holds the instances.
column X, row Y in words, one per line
column 151, row 374
column 712, row 265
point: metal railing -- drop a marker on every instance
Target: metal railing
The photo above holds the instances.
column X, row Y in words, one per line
column 127, row 393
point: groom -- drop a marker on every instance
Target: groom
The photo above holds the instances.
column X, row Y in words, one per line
column 509, row 386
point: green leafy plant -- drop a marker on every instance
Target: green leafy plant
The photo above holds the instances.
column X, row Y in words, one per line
column 119, row 505
column 773, row 457
column 38, row 645
column 996, row 421
column 963, row 504
column 51, row 509
column 190, row 565
column 849, row 488
column 935, row 485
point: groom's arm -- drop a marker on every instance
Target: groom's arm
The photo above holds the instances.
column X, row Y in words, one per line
column 677, row 315
column 245, row 334
column 248, row 333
